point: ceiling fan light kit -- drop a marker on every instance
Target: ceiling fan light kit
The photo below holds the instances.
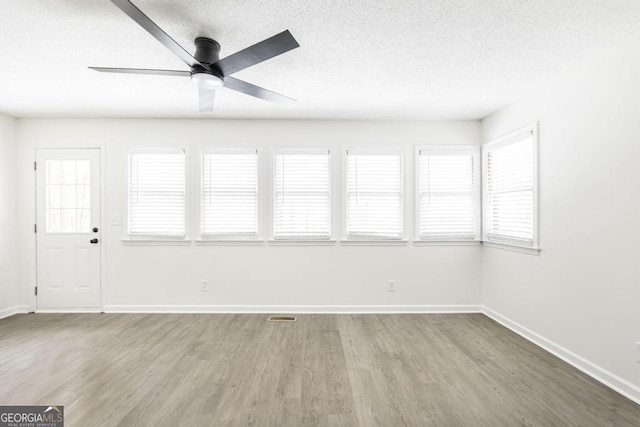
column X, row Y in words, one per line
column 208, row 71
column 206, row 81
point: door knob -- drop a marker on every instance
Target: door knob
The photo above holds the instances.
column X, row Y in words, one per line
column 94, row 241
column 95, row 229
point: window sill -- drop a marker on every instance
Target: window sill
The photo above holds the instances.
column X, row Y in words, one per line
column 293, row 242
column 228, row 242
column 447, row 243
column 365, row 242
column 513, row 248
column 155, row 242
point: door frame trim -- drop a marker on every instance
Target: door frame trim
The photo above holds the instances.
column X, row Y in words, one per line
column 33, row 306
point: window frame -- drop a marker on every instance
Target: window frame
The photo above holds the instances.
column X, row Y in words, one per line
column 229, row 237
column 302, row 240
column 475, row 152
column 156, row 238
column 500, row 142
column 375, row 240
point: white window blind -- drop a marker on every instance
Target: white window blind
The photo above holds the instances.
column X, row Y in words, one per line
column 302, row 194
column 229, row 199
column 374, row 199
column 448, row 194
column 157, row 193
column 510, row 192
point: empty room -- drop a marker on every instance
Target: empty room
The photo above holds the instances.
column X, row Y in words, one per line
column 320, row 213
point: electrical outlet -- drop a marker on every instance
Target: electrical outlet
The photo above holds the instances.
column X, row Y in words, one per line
column 205, row 286
column 391, row 286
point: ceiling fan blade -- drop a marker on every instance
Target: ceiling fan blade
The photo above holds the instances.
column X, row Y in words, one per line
column 257, row 91
column 207, row 98
column 266, row 49
column 142, row 71
column 143, row 20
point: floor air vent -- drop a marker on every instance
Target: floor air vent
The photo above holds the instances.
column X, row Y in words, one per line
column 282, row 319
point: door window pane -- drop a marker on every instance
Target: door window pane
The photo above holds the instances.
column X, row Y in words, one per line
column 68, row 196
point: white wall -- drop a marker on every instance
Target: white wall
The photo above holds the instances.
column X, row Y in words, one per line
column 256, row 275
column 8, row 217
column 582, row 294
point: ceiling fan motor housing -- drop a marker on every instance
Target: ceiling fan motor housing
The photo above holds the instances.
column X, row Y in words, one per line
column 207, row 53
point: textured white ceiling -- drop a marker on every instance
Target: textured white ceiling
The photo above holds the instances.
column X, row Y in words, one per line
column 431, row 59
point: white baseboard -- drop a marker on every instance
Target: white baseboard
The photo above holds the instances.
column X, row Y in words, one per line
column 17, row 309
column 68, row 310
column 8, row 312
column 294, row 309
column 600, row 374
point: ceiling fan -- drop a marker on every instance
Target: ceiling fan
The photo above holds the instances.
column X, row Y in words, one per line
column 208, row 71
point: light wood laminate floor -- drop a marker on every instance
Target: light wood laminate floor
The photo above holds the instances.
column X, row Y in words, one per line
column 329, row 370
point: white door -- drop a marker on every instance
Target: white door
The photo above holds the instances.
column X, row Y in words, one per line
column 68, row 228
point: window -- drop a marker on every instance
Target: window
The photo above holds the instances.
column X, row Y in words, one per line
column 374, row 194
column 229, row 199
column 68, row 196
column 510, row 189
column 302, row 194
column 448, row 193
column 157, row 194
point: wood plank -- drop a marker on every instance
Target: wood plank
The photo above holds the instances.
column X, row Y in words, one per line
column 323, row 370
